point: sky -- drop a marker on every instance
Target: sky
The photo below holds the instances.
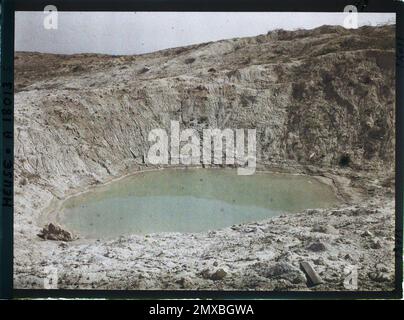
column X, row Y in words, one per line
column 122, row 33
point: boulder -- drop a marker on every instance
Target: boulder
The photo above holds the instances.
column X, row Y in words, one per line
column 55, row 232
column 313, row 278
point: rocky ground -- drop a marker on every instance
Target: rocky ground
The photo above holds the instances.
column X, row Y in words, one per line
column 323, row 104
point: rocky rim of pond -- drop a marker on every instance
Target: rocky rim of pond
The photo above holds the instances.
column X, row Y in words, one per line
column 323, row 104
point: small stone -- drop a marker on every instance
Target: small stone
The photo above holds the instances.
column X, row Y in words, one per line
column 367, row 234
column 280, row 270
column 317, row 246
column 145, row 69
column 319, row 262
column 218, row 275
column 379, row 276
column 250, row 229
column 190, row 60
column 375, row 244
column 348, row 257
column 205, row 274
column 381, row 268
column 333, row 257
column 185, row 283
column 313, row 278
column 324, row 229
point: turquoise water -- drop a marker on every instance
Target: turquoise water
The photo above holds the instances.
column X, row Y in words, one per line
column 191, row 200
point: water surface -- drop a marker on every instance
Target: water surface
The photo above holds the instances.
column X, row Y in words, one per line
column 191, row 200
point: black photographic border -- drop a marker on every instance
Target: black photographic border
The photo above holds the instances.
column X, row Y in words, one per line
column 8, row 9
